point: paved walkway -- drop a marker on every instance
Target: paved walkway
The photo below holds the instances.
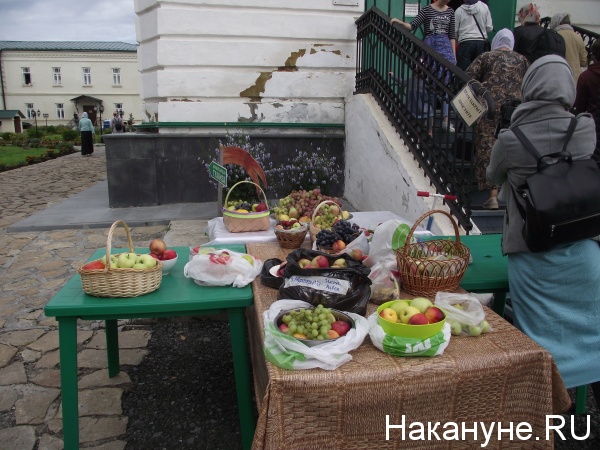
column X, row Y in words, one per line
column 36, row 260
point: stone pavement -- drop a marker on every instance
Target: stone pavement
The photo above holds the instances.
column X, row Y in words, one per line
column 33, row 267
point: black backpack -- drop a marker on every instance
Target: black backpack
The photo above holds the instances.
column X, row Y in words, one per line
column 549, row 42
column 118, row 124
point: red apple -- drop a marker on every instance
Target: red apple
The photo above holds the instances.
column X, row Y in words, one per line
column 154, row 256
column 169, row 254
column 340, row 327
column 320, row 261
column 357, row 254
column 418, row 319
column 157, row 246
column 94, row 265
column 261, row 207
column 284, row 328
column 338, row 246
column 434, row 314
column 196, row 249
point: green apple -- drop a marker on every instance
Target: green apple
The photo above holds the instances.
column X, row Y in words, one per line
column 249, row 258
column 421, row 303
column 399, row 305
column 147, row 260
column 407, row 313
column 139, row 265
column 455, row 328
column 113, row 259
column 474, row 330
column 126, row 260
column 485, row 326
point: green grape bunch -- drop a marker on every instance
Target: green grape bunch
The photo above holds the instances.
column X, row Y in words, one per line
column 312, row 324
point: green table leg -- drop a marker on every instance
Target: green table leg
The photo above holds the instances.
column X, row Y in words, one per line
column 499, row 302
column 67, row 342
column 112, row 347
column 241, row 367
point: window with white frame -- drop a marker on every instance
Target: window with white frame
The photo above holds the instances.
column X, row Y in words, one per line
column 26, row 76
column 60, row 111
column 29, row 107
column 116, row 77
column 87, row 76
column 57, row 78
column 118, row 107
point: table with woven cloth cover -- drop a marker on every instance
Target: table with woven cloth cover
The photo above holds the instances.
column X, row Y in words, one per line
column 502, row 376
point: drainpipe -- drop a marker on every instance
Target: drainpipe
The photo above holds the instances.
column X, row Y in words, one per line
column 2, row 83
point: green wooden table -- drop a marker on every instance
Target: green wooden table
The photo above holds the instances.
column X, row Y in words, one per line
column 177, row 296
column 489, row 270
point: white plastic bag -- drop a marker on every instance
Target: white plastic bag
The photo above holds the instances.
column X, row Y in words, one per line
column 289, row 353
column 222, row 268
column 385, row 281
column 468, row 318
column 387, row 237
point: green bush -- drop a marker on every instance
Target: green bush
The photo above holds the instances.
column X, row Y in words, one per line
column 34, row 142
column 65, row 148
column 33, row 133
column 50, row 129
column 6, row 136
column 70, row 135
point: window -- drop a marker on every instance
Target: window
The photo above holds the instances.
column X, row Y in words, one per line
column 60, row 111
column 29, row 107
column 57, row 76
column 116, row 77
column 26, row 76
column 87, row 76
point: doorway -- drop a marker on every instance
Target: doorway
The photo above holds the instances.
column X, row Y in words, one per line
column 89, row 109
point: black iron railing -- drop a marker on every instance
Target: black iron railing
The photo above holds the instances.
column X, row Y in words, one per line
column 414, row 86
column 588, row 36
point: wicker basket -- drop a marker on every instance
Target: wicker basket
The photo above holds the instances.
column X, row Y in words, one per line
column 250, row 221
column 423, row 267
column 120, row 282
column 291, row 238
column 314, row 230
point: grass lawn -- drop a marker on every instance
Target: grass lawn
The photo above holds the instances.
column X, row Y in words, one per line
column 11, row 155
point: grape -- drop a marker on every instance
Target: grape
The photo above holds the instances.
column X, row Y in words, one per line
column 313, row 323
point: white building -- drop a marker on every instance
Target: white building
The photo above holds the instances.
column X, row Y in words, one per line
column 59, row 79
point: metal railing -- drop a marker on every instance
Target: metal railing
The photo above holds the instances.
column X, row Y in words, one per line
column 588, row 36
column 414, row 86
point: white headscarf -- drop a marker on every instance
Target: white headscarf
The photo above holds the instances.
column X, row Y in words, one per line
column 503, row 39
column 555, row 22
column 84, row 115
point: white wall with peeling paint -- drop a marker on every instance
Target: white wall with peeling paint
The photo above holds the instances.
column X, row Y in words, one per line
column 278, row 61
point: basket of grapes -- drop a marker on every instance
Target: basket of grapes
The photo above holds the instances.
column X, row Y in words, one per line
column 323, row 217
column 336, row 239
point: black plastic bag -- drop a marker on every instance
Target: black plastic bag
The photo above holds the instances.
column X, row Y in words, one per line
column 345, row 288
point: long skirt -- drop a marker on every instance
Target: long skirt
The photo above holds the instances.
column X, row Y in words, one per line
column 556, row 301
column 87, row 143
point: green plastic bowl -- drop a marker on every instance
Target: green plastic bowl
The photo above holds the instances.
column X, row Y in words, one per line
column 405, row 330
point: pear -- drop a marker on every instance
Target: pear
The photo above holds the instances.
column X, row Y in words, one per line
column 293, row 213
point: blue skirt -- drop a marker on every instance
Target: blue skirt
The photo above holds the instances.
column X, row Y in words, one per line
column 556, row 301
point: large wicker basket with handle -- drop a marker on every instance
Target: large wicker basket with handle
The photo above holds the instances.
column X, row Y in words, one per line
column 110, row 282
column 314, row 230
column 428, row 267
column 250, row 221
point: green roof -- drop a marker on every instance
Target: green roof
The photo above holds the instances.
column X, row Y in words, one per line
column 10, row 113
column 74, row 46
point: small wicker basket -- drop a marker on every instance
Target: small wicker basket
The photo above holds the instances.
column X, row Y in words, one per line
column 314, row 230
column 250, row 221
column 111, row 282
column 429, row 267
column 291, row 238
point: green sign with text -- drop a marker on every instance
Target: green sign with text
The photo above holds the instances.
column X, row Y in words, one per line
column 218, row 173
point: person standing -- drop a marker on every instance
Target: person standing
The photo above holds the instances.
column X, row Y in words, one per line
column 116, row 124
column 576, row 54
column 555, row 294
column 473, row 23
column 439, row 30
column 588, row 91
column 533, row 40
column 501, row 72
column 86, row 128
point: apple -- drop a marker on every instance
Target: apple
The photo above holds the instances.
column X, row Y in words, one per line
column 303, row 262
column 399, row 305
column 407, row 313
column 113, row 258
column 254, row 205
column 249, row 258
column 94, row 265
column 421, row 303
column 196, row 249
column 340, row 327
column 455, row 328
column 320, row 261
column 485, row 326
column 340, row 262
column 127, row 260
column 283, row 217
column 304, row 219
column 139, row 265
column 279, row 227
column 338, row 246
column 296, row 225
column 299, row 335
column 333, row 334
column 284, row 328
column 147, row 261
column 155, row 256
column 169, row 254
column 434, row 314
column 293, row 213
column 418, row 319
column 335, row 210
column 389, row 314
column 346, row 216
column 157, row 246
column 357, row 254
column 474, row 330
column 261, row 207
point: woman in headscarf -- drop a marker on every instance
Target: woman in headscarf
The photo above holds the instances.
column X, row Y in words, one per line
column 501, row 72
column 439, row 31
column 528, row 40
column 555, row 294
column 576, row 54
column 86, row 127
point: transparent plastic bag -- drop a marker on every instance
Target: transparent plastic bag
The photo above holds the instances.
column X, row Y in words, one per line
column 464, row 313
column 222, row 268
column 385, row 281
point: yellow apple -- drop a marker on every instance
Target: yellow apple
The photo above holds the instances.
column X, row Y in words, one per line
column 407, row 313
column 399, row 305
column 249, row 258
column 389, row 314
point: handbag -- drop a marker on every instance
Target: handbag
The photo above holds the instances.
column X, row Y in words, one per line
column 562, row 199
column 486, row 44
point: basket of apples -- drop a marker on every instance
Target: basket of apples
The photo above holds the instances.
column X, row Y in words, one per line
column 121, row 275
column 290, row 233
column 416, row 318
